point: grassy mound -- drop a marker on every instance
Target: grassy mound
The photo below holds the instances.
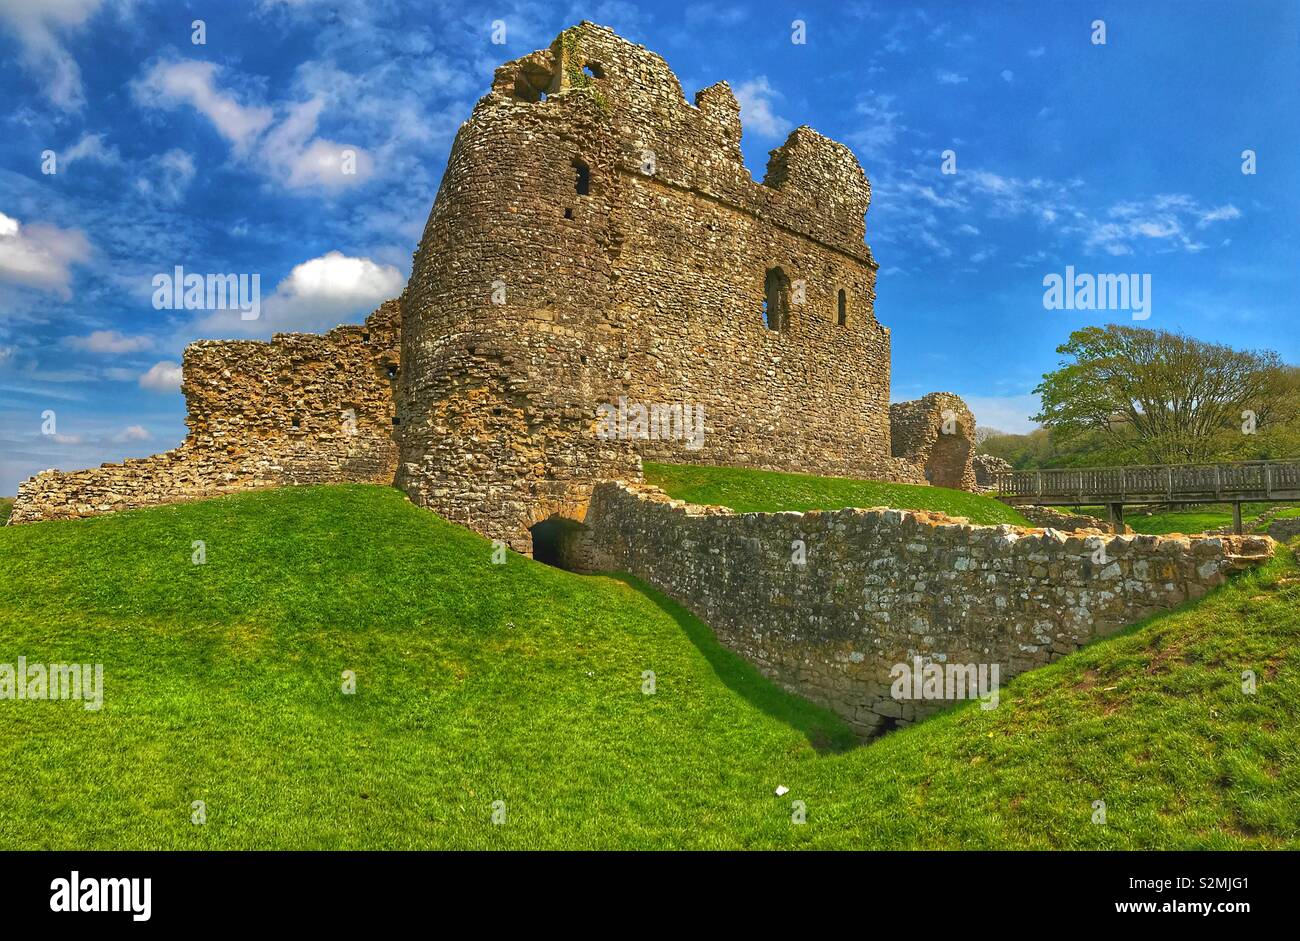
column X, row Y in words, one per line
column 478, row 683
column 750, row 491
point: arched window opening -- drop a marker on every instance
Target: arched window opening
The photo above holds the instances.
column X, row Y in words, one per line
column 843, row 308
column 776, row 299
column 582, row 178
column 593, row 70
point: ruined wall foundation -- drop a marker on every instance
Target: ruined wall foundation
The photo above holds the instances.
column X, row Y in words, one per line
column 299, row 409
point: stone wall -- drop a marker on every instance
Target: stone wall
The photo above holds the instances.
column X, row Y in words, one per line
column 987, row 468
column 881, row 587
column 937, row 434
column 299, row 409
column 597, row 236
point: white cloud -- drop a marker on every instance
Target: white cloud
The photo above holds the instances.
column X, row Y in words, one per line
column 318, row 294
column 132, row 433
column 756, row 114
column 169, row 176
column 287, row 151
column 1037, row 51
column 300, row 160
column 109, row 341
column 90, row 147
column 1008, row 75
column 40, row 255
column 162, row 377
column 1218, row 214
column 949, row 78
column 39, row 25
column 882, row 126
column 168, row 84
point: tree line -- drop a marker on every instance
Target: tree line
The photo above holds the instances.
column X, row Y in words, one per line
column 1129, row 395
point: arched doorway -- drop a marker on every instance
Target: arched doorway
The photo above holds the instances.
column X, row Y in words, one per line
column 560, row 542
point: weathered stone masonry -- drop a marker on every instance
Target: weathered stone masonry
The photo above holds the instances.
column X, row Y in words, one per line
column 299, row 409
column 631, row 254
column 880, row 587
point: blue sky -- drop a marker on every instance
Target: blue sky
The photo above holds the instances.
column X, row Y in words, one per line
column 1115, row 158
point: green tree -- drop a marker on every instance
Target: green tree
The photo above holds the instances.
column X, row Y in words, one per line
column 1159, row 397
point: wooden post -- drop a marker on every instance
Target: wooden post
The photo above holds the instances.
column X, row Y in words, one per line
column 1236, row 517
column 1117, row 517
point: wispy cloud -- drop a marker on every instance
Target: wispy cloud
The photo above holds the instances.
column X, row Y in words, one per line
column 41, row 28
column 287, row 150
column 757, row 112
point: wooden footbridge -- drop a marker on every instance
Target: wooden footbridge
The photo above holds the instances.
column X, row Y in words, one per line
column 1117, row 487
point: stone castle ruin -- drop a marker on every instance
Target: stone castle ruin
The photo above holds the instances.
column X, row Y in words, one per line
column 596, row 238
column 597, row 242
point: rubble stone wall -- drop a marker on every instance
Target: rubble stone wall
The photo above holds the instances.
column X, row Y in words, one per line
column 299, row 409
column 987, row 467
column 881, row 587
column 937, row 434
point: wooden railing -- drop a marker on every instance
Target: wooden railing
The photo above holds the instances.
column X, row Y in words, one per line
column 1253, row 480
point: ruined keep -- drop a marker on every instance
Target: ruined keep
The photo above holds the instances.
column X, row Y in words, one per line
column 596, row 235
column 596, row 239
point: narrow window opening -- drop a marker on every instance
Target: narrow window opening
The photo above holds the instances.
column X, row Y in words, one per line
column 297, row 422
column 568, row 213
column 392, row 371
column 582, row 181
column 396, row 421
column 844, row 308
column 776, row 299
column 593, row 70
column 365, row 338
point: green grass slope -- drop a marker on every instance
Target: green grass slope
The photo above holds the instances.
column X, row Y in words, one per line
column 521, row 683
column 750, row 491
column 6, row 504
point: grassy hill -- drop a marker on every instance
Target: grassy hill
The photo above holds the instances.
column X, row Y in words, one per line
column 768, row 491
column 6, row 504
column 522, row 683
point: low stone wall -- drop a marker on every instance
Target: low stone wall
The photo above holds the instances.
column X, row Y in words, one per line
column 882, row 587
column 299, row 409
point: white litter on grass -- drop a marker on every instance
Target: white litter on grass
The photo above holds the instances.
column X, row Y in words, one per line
column 782, row 790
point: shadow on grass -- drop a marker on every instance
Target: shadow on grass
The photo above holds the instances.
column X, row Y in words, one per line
column 826, row 732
